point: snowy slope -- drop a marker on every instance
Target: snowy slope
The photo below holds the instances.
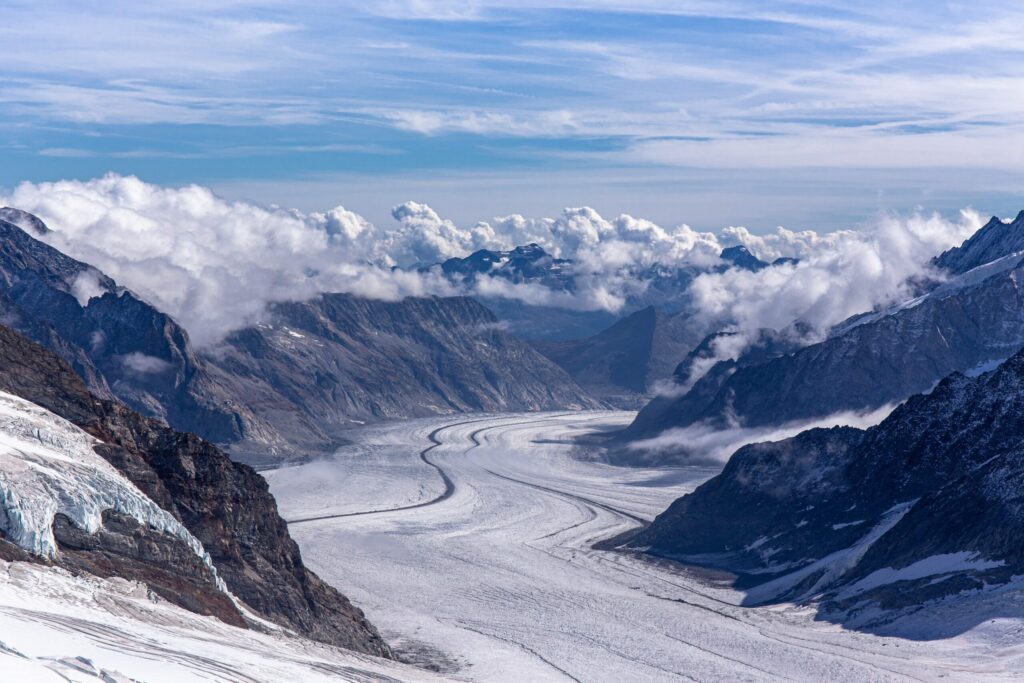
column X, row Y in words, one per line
column 48, row 467
column 500, row 579
column 58, row 628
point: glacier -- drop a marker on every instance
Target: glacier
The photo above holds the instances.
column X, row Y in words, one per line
column 48, row 466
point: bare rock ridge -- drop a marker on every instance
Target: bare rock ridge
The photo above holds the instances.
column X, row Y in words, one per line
column 966, row 324
column 994, row 240
column 924, row 506
column 226, row 505
column 314, row 367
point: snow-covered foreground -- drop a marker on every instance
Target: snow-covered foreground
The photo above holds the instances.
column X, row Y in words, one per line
column 60, row 628
column 489, row 572
column 57, row 627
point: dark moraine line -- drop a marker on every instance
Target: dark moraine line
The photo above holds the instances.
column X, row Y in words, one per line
column 449, row 485
column 572, row 496
column 474, row 437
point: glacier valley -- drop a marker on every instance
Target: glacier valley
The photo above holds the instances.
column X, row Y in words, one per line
column 470, row 541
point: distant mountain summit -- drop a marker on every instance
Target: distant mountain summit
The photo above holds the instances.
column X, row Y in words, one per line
column 665, row 286
column 528, row 263
column 741, row 257
column 994, row 240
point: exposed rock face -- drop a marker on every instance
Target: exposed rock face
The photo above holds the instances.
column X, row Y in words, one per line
column 226, row 505
column 876, row 360
column 926, row 504
column 316, row 366
column 996, row 239
column 266, row 392
column 124, row 548
column 529, row 263
column 623, row 363
column 120, row 345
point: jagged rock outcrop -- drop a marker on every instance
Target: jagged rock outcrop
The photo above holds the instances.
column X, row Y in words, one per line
column 994, row 240
column 741, row 257
column 927, row 504
column 124, row 548
column 314, row 367
column 225, row 505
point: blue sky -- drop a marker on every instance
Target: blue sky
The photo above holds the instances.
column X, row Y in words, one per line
column 808, row 114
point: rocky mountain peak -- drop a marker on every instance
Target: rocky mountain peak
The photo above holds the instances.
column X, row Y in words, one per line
column 23, row 220
column 994, row 240
column 741, row 257
column 813, row 516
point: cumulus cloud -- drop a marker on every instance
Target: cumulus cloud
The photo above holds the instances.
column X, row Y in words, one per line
column 839, row 275
column 215, row 264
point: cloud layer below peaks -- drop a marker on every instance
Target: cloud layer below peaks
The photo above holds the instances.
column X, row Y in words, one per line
column 214, row 264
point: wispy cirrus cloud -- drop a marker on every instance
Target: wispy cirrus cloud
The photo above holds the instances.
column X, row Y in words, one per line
column 480, row 86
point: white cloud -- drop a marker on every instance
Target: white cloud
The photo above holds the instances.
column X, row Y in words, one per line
column 85, row 286
column 702, row 443
column 839, row 275
column 543, row 123
column 214, row 264
column 211, row 263
column 144, row 364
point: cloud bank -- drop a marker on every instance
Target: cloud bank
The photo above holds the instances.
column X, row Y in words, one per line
column 215, row 264
column 839, row 275
column 702, row 443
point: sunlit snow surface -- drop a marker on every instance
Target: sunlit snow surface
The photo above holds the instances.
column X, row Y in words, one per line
column 58, row 628
column 499, row 582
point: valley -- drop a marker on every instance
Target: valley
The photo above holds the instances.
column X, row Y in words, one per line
column 469, row 540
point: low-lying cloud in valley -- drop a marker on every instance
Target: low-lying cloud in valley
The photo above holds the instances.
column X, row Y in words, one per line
column 702, row 443
column 214, row 264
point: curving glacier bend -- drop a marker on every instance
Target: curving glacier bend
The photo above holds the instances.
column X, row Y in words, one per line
column 470, row 541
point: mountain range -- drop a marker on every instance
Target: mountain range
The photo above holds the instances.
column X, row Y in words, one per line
column 967, row 323
column 313, row 368
column 867, row 525
column 287, row 384
column 663, row 286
